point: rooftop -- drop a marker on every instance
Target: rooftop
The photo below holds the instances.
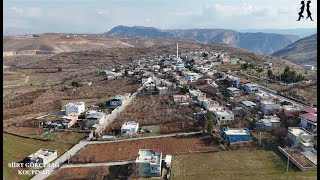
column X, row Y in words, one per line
column 233, row 89
column 42, row 152
column 129, row 125
column 250, row 85
column 95, row 115
column 149, row 156
column 236, row 131
column 298, row 131
column 80, row 103
column 310, row 110
column 248, row 103
column 310, row 117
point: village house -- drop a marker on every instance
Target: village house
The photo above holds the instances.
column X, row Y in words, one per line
column 196, row 93
column 163, row 90
column 192, row 77
column 233, row 92
column 248, row 108
column 234, row 135
column 291, row 110
column 118, row 100
column 92, row 118
column 308, row 121
column 223, row 117
column 269, row 123
column 250, row 88
column 75, row 108
column 269, row 107
column 300, row 137
column 149, row 163
column 70, row 120
column 43, row 156
column 129, row 128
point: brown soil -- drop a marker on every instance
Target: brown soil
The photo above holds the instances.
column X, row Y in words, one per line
column 129, row 150
column 153, row 110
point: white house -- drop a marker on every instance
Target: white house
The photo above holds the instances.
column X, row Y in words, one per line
column 75, row 108
column 130, row 127
column 223, row 116
column 267, row 107
column 43, row 156
column 308, row 67
column 192, row 77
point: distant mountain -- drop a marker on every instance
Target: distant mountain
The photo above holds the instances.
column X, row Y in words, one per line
column 301, row 32
column 260, row 43
column 139, row 31
column 301, row 52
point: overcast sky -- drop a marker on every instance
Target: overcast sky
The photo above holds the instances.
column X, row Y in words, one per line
column 97, row 16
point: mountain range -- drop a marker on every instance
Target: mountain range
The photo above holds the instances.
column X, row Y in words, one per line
column 260, row 43
column 301, row 52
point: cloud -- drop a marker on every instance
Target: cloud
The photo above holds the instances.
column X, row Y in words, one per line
column 103, row 12
column 32, row 12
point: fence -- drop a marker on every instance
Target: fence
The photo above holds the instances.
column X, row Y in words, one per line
column 302, row 168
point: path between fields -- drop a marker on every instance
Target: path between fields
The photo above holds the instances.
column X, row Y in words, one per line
column 15, row 85
column 75, row 149
column 97, row 164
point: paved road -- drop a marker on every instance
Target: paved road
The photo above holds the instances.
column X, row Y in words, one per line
column 62, row 159
column 97, row 164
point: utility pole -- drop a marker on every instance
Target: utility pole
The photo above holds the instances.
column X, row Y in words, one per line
column 260, row 138
column 288, row 163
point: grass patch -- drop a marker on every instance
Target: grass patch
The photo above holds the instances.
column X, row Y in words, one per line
column 16, row 148
column 242, row 164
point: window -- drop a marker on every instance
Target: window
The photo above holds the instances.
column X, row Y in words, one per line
column 223, row 117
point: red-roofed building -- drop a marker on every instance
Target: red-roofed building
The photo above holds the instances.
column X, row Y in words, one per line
column 244, row 81
column 310, row 110
column 309, row 122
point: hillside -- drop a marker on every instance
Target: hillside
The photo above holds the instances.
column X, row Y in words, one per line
column 260, row 43
column 139, row 31
column 301, row 52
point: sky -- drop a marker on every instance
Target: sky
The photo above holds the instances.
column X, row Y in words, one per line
column 98, row 16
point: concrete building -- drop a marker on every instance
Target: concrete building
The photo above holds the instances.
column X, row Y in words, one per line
column 308, row 121
column 192, row 77
column 298, row 135
column 149, row 163
column 235, row 135
column 250, row 88
column 269, row 107
column 43, row 156
column 233, row 92
column 93, row 118
column 70, row 119
column 130, row 128
column 269, row 123
column 309, row 67
column 118, row 99
column 168, row 160
column 75, row 108
column 291, row 110
column 223, row 117
column 248, row 108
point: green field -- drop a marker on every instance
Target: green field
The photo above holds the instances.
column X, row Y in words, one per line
column 238, row 164
column 15, row 149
